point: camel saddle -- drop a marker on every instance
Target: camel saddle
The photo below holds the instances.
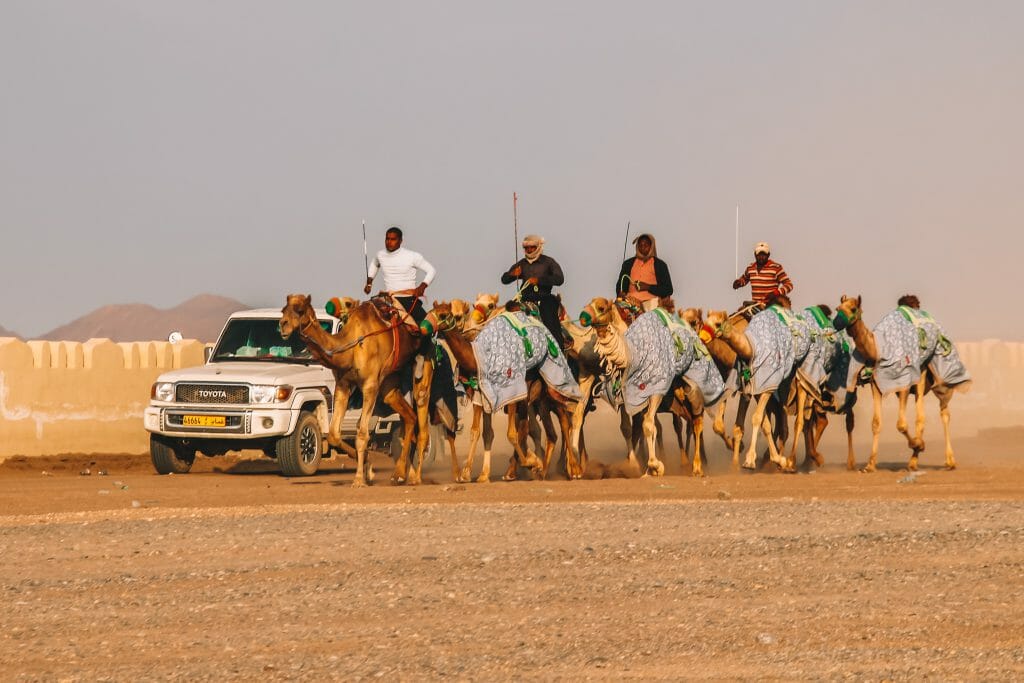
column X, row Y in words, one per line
column 391, row 312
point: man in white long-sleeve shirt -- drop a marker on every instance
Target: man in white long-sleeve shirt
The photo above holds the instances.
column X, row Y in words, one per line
column 398, row 266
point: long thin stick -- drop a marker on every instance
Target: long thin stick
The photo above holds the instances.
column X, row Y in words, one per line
column 366, row 262
column 515, row 222
column 626, row 243
column 736, row 265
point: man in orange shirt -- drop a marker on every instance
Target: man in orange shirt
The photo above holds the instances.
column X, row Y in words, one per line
column 644, row 277
column 767, row 278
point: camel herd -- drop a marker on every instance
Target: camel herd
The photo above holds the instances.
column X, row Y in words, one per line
column 800, row 365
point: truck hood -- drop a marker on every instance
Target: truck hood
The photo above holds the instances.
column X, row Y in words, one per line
column 251, row 372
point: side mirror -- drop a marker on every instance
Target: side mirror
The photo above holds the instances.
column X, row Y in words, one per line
column 207, row 353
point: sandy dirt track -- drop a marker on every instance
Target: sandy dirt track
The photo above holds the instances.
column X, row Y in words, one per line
column 233, row 572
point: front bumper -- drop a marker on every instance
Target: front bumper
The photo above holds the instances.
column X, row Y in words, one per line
column 250, row 423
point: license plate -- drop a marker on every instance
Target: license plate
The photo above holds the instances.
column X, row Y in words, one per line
column 204, row 420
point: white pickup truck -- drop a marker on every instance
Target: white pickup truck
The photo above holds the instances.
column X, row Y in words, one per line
column 255, row 391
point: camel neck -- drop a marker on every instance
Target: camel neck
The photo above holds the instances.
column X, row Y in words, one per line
column 864, row 339
column 462, row 350
column 737, row 341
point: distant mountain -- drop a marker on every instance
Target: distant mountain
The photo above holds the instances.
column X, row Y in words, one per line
column 4, row 332
column 201, row 317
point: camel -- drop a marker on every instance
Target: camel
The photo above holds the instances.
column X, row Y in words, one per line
column 935, row 368
column 366, row 352
column 725, row 361
column 642, row 355
column 440, row 320
column 784, row 341
column 821, row 386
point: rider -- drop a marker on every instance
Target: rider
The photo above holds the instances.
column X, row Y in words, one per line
column 539, row 273
column 767, row 278
column 399, row 266
column 644, row 277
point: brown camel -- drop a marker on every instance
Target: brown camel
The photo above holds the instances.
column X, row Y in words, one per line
column 850, row 313
column 440, row 320
column 731, row 330
column 366, row 353
column 605, row 317
column 725, row 361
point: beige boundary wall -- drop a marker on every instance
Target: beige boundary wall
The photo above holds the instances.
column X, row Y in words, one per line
column 74, row 397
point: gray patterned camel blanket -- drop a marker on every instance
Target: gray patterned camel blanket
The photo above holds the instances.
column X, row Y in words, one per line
column 827, row 346
column 661, row 348
column 779, row 341
column 508, row 347
column 909, row 340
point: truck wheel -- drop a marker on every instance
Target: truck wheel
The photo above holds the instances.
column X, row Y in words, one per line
column 299, row 453
column 170, row 458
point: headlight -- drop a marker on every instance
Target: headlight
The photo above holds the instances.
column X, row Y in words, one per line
column 162, row 391
column 269, row 393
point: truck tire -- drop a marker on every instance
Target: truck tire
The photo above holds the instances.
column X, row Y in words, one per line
column 299, row 453
column 169, row 457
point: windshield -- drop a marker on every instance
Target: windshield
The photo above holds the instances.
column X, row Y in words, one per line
column 260, row 339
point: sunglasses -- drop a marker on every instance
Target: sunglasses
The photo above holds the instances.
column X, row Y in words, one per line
column 529, row 247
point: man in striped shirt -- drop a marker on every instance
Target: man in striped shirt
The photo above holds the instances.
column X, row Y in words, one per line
column 766, row 278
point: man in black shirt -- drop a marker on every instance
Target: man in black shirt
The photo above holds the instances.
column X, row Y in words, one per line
column 539, row 273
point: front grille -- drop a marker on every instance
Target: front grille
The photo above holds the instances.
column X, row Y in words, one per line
column 211, row 393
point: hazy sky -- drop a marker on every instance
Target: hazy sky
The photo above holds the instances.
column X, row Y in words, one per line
column 153, row 151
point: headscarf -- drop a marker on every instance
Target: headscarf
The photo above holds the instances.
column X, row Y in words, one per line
column 654, row 244
column 534, row 240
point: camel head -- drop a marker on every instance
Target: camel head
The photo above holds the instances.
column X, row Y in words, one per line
column 484, row 307
column 848, row 312
column 598, row 313
column 719, row 322
column 461, row 310
column 440, row 319
column 297, row 312
column 341, row 307
column 694, row 317
column 668, row 303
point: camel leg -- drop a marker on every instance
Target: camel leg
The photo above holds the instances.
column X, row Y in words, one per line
column 757, row 421
column 876, row 427
column 342, row 393
column 550, row 437
column 456, row 470
column 394, row 398
column 698, row 439
column 474, row 439
column 737, row 429
column 851, row 460
column 370, row 390
column 565, row 415
column 626, row 428
column 798, row 425
column 817, row 428
column 774, row 453
column 917, row 443
column 655, row 467
column 485, row 471
column 945, row 397
column 421, row 394
column 579, row 412
column 718, row 426
column 684, row 445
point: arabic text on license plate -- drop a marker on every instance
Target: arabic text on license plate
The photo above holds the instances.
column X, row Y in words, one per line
column 204, row 421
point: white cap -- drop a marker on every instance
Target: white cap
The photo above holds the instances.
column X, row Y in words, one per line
column 762, row 248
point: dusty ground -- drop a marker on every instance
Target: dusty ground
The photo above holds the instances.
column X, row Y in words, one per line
column 232, row 572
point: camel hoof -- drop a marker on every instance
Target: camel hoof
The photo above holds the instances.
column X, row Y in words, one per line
column 508, row 477
column 358, row 483
column 397, row 481
column 749, row 465
column 483, row 479
column 867, row 469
